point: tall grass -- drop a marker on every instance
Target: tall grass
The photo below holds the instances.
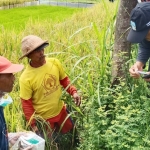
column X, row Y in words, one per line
column 79, row 44
column 109, row 118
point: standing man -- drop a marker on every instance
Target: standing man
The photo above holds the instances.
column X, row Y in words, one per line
column 140, row 33
column 7, row 70
column 40, row 86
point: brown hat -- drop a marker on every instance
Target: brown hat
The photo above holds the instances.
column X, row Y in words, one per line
column 31, row 43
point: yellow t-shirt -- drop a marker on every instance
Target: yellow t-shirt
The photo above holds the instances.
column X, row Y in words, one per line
column 42, row 84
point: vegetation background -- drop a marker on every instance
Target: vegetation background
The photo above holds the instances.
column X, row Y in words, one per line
column 13, row 2
column 110, row 118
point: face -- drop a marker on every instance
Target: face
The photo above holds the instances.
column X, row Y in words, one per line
column 6, row 82
column 37, row 57
column 148, row 36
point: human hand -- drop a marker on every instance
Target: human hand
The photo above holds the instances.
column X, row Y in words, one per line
column 138, row 66
column 35, row 130
column 77, row 99
column 14, row 137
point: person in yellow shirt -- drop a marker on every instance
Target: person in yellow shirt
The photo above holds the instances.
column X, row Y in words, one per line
column 40, row 86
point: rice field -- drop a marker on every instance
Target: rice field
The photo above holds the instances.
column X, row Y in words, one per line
column 79, row 46
column 111, row 118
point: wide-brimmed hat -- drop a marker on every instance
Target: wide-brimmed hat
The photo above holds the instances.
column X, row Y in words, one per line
column 7, row 67
column 31, row 43
column 140, row 22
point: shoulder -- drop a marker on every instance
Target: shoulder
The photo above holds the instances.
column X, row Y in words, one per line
column 53, row 60
column 26, row 73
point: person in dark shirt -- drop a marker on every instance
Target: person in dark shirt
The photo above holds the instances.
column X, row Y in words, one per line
column 7, row 70
column 140, row 33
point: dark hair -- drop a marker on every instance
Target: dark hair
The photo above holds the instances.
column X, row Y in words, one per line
column 42, row 46
column 39, row 48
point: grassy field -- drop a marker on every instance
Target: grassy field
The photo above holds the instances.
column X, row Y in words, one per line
column 16, row 19
column 76, row 38
column 110, row 118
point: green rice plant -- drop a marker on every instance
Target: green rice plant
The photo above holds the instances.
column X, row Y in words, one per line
column 16, row 19
column 79, row 48
column 109, row 118
column 14, row 117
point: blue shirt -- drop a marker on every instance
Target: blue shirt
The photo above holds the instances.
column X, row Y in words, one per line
column 144, row 51
column 3, row 132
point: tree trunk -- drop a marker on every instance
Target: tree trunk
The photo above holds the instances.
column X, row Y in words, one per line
column 122, row 47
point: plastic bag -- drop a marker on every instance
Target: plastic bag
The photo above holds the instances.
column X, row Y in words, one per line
column 25, row 141
column 5, row 100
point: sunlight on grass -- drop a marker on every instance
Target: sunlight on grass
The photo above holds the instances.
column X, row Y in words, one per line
column 82, row 39
column 16, row 19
